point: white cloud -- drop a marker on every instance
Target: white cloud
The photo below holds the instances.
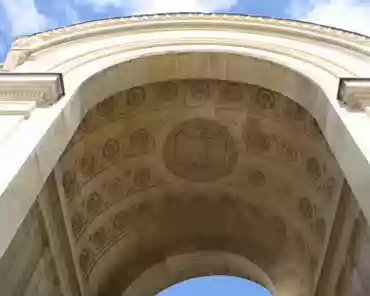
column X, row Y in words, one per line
column 352, row 15
column 24, row 16
column 158, row 6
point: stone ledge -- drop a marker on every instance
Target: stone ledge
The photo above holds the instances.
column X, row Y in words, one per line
column 42, row 88
column 355, row 93
column 17, row 108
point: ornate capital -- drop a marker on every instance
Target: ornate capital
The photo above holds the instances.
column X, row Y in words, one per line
column 43, row 89
column 355, row 92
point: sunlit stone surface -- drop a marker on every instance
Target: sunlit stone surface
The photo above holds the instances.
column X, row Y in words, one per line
column 172, row 156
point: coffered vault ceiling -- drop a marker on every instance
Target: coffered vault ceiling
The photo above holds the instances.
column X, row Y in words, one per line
column 198, row 165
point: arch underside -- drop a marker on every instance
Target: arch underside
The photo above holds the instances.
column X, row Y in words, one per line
column 204, row 151
column 188, row 166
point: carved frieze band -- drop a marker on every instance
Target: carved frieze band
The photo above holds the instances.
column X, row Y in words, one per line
column 41, row 88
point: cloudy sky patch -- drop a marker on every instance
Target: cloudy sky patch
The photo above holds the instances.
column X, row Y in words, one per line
column 20, row 17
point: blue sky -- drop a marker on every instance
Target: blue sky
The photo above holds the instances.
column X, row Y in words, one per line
column 21, row 17
column 216, row 286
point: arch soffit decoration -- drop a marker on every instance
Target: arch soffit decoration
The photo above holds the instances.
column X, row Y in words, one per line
column 315, row 75
column 235, row 28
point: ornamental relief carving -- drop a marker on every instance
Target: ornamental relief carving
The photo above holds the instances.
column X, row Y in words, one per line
column 242, row 97
column 200, row 150
column 150, row 139
column 121, row 224
column 40, row 38
column 115, row 189
column 92, row 159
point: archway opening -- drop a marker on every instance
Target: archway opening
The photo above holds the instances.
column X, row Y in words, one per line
column 216, row 286
column 148, row 164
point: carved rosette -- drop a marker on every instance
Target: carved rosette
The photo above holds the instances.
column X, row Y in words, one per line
column 239, row 162
column 200, row 150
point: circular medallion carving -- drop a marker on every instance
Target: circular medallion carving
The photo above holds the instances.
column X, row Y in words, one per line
column 111, row 148
column 69, row 184
column 87, row 165
column 85, row 259
column 288, row 151
column 231, row 93
column 200, row 150
column 264, row 99
column 306, row 208
column 135, row 96
column 328, row 187
column 141, row 141
column 93, row 203
column 200, row 90
column 99, row 237
column 294, row 111
column 77, row 222
column 313, row 168
column 120, row 220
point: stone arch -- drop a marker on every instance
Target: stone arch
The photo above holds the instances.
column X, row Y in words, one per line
column 300, row 61
column 290, row 53
column 316, row 91
column 187, row 266
column 210, row 165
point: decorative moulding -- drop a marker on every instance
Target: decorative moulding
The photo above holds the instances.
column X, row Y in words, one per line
column 23, row 108
column 43, row 89
column 39, row 38
column 355, row 93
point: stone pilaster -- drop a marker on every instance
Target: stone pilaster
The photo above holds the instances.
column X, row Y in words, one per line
column 50, row 206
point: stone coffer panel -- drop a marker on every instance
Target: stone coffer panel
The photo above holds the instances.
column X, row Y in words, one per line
column 190, row 165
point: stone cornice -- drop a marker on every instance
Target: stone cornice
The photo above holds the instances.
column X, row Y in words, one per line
column 41, row 88
column 23, row 108
column 75, row 31
column 355, row 93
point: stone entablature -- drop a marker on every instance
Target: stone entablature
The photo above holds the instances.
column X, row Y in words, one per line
column 41, row 88
column 26, row 46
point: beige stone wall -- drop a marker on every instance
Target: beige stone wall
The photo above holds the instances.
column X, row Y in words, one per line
column 43, row 281
column 27, row 267
column 360, row 278
column 38, row 260
column 299, row 61
column 185, row 166
column 57, row 236
column 208, row 165
column 346, row 267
